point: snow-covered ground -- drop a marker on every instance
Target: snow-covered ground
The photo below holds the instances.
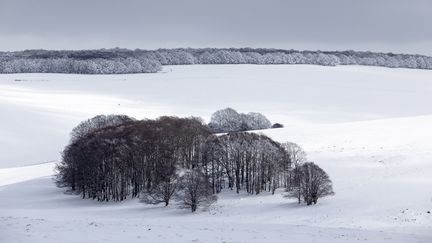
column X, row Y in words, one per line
column 370, row 128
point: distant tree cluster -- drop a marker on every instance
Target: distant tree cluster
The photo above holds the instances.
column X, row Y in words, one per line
column 229, row 120
column 111, row 158
column 117, row 60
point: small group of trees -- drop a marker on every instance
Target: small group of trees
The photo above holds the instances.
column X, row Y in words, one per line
column 310, row 182
column 307, row 180
column 111, row 158
column 117, row 60
column 192, row 189
column 229, row 120
column 247, row 162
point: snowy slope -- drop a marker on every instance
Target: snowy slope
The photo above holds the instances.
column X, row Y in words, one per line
column 41, row 106
column 368, row 127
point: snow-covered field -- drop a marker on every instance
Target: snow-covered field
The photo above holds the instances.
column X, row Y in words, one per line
column 370, row 128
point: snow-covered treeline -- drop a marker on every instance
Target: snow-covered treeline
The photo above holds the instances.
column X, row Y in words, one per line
column 117, row 60
column 116, row 157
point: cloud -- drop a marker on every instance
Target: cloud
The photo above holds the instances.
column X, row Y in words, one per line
column 398, row 26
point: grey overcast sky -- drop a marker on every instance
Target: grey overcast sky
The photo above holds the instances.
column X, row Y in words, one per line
column 379, row 25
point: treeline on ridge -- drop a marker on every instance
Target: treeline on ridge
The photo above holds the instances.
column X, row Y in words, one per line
column 117, row 60
column 112, row 158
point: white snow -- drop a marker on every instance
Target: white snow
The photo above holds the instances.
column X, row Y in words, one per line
column 370, row 128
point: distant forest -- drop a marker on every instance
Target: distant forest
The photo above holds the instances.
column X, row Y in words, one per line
column 118, row 61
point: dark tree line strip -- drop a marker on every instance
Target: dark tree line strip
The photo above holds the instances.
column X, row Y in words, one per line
column 111, row 158
column 118, row 61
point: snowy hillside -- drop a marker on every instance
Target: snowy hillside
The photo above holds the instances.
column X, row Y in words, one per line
column 368, row 127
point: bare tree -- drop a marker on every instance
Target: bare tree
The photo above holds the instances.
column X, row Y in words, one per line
column 315, row 183
column 162, row 192
column 311, row 183
column 196, row 190
column 295, row 152
column 294, row 190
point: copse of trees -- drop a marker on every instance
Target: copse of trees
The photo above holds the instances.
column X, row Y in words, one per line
column 229, row 120
column 116, row 161
column 307, row 180
column 251, row 162
column 118, row 61
column 310, row 182
column 111, row 158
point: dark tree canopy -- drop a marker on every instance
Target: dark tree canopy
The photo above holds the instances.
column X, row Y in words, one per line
column 111, row 158
column 277, row 125
column 98, row 122
column 116, row 161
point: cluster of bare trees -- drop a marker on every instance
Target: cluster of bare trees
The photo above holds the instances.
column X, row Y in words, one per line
column 115, row 157
column 246, row 161
column 310, row 182
column 125, row 157
column 117, row 60
column 307, row 180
